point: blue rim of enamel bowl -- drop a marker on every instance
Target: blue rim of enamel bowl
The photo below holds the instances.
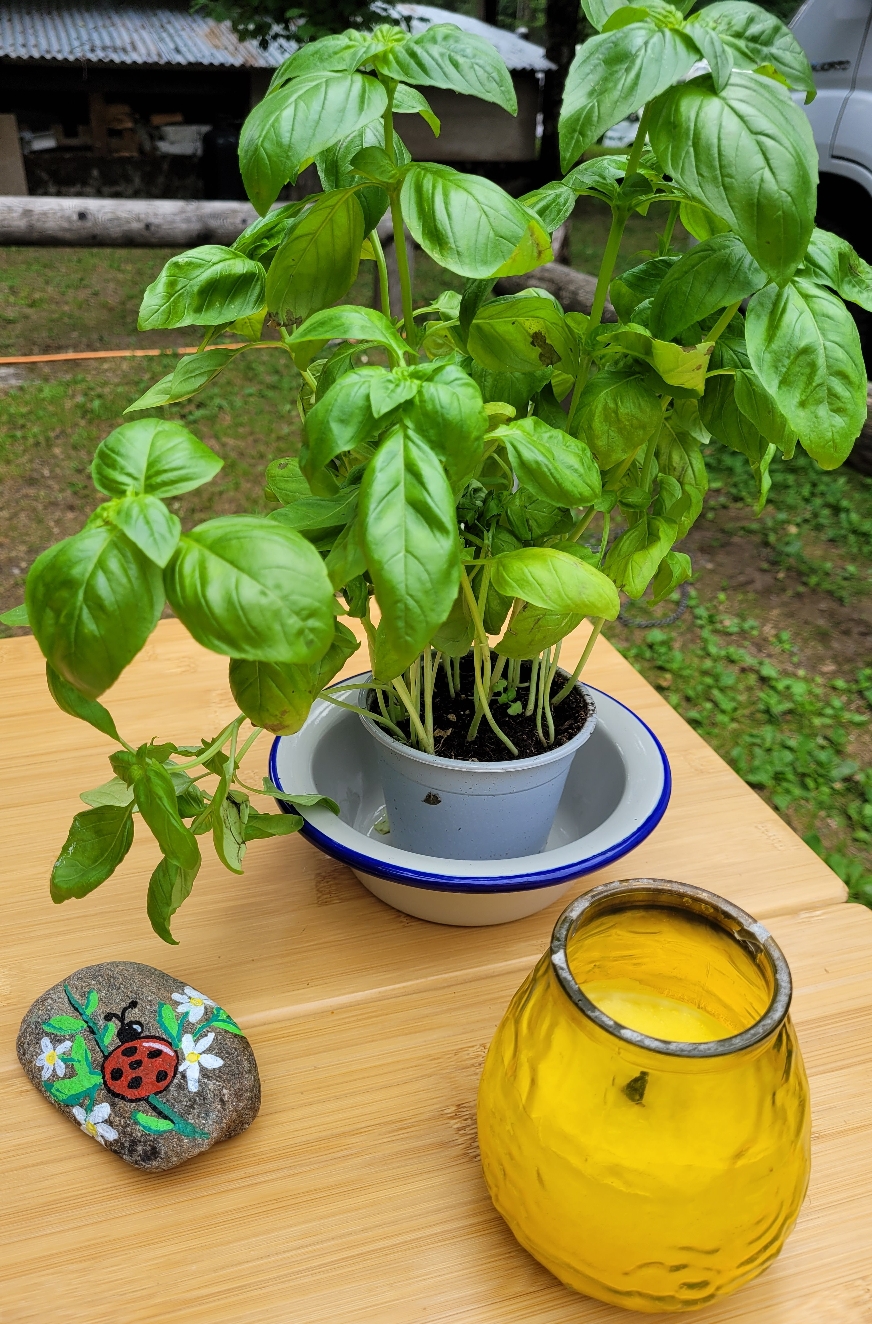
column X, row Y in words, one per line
column 518, row 882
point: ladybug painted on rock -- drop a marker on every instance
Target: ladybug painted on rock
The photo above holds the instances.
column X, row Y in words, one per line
column 141, row 1064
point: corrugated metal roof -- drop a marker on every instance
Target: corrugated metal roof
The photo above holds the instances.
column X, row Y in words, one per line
column 146, row 35
column 128, row 34
column 516, row 52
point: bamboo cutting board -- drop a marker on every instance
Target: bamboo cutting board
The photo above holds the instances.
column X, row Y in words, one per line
column 268, row 939
column 356, row 1196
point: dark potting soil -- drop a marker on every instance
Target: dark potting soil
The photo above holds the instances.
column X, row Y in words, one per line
column 452, row 718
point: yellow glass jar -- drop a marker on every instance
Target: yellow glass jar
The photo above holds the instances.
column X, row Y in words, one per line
column 643, row 1111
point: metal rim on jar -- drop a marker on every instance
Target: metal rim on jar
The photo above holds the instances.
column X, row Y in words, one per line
column 742, row 927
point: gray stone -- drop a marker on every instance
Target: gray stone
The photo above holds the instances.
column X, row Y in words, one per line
column 149, row 1067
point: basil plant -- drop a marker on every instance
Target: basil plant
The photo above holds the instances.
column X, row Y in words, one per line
column 479, row 475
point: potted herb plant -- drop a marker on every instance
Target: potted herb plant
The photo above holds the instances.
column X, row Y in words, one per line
column 457, row 457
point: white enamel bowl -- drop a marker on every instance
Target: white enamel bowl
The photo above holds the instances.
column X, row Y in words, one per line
column 616, row 793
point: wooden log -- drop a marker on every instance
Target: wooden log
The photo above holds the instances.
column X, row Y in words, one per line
column 122, row 222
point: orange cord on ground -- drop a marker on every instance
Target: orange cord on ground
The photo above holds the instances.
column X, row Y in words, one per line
column 108, row 354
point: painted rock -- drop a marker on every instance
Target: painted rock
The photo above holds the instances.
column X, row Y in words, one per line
column 147, row 1066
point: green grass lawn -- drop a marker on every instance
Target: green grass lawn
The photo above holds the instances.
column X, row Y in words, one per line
column 772, row 663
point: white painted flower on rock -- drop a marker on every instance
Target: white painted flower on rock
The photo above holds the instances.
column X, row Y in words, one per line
column 192, row 1003
column 194, row 1057
column 50, row 1058
column 94, row 1123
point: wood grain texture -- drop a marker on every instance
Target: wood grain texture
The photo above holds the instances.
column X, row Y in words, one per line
column 357, row 1196
column 298, row 927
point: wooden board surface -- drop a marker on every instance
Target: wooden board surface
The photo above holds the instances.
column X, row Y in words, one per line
column 357, row 1195
column 298, row 926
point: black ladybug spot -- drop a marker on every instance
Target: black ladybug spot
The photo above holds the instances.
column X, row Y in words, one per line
column 154, row 1052
column 161, row 1076
column 130, row 1051
column 134, row 1082
column 134, row 1066
column 116, row 1073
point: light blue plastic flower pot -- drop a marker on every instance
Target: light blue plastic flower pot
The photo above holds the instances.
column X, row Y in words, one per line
column 453, row 809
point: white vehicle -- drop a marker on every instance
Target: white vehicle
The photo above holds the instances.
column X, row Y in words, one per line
column 836, row 35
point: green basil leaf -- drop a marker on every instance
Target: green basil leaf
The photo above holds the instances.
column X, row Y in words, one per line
column 312, row 513
column 152, row 455
column 297, row 122
column 470, row 225
column 285, row 481
column 554, row 203
column 93, row 600
column 148, row 524
column 633, row 558
column 345, row 560
column 260, row 826
column 834, row 262
column 675, row 570
column 267, row 232
column 343, row 419
column 318, row 261
column 757, row 404
column 756, row 38
column 16, row 616
column 711, row 276
column 523, row 333
column 601, row 177
column 638, row 285
column 679, row 457
column 409, row 536
column 373, row 163
column 717, row 54
column 534, row 629
column 306, row 801
column 409, row 101
column 713, row 143
column 340, row 362
column 600, row 11
column 614, row 74
column 389, row 390
column 350, row 323
column 278, row 697
column 113, row 792
column 804, row 348
column 168, row 887
column 553, row 465
column 71, row 701
column 336, row 171
column 190, row 375
column 98, row 841
column 228, row 833
column 340, row 52
column 446, row 56
column 156, row 801
column 203, row 287
column 246, row 587
column 454, row 635
column 679, row 365
column 513, row 388
column 447, row 414
column 557, row 582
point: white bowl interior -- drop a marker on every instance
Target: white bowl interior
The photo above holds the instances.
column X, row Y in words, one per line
column 616, row 793
column 344, row 766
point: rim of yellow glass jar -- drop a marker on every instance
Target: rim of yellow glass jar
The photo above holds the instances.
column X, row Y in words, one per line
column 742, row 927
